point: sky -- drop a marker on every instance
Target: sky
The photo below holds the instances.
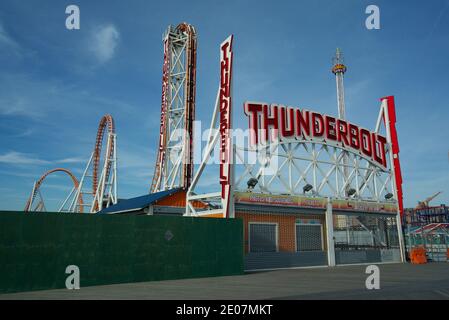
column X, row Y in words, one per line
column 56, row 84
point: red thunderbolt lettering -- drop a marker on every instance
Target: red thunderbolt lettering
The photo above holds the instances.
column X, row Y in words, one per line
column 342, row 132
column 270, row 120
column 303, row 123
column 253, row 110
column 365, row 142
column 287, row 122
column 281, row 123
column 317, row 125
column 225, row 120
column 330, row 128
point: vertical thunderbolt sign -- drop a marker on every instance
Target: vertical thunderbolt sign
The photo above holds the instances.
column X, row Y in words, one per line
column 225, row 124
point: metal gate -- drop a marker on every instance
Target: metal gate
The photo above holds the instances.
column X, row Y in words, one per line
column 436, row 243
column 309, row 237
column 366, row 238
column 283, row 240
column 263, row 237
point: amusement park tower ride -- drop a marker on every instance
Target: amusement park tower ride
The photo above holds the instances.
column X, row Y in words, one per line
column 339, row 70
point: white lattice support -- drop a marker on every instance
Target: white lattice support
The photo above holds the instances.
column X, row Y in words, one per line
column 80, row 191
column 105, row 194
column 63, row 208
column 320, row 165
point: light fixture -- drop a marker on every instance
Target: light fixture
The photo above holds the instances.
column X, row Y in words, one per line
column 388, row 196
column 252, row 182
column 307, row 188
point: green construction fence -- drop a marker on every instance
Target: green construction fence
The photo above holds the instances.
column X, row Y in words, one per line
column 36, row 248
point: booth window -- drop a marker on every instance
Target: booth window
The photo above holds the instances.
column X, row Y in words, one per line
column 263, row 237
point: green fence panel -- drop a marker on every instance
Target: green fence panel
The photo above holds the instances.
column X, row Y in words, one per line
column 36, row 248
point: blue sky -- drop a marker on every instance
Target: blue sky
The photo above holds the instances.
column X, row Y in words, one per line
column 55, row 84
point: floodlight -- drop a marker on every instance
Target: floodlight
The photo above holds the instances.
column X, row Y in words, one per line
column 307, row 188
column 388, row 196
column 252, row 182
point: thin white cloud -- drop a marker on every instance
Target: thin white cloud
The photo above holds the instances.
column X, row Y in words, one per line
column 18, row 106
column 104, row 41
column 18, row 158
column 26, row 133
column 72, row 160
column 19, row 173
column 22, row 95
column 6, row 41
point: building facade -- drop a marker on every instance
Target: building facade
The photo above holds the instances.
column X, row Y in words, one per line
column 287, row 232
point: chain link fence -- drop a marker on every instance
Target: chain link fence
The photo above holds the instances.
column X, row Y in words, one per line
column 436, row 243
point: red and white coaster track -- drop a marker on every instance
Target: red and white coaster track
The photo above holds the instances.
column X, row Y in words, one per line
column 34, row 205
column 174, row 162
column 101, row 169
column 104, row 182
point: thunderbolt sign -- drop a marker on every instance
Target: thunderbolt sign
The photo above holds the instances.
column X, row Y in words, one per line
column 276, row 123
column 225, row 120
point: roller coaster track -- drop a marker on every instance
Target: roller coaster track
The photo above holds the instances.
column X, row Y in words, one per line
column 104, row 177
column 106, row 122
column 103, row 191
column 174, row 162
column 37, row 185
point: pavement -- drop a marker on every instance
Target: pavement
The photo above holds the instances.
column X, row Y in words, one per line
column 397, row 281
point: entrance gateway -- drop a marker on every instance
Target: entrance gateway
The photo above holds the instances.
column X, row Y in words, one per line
column 311, row 189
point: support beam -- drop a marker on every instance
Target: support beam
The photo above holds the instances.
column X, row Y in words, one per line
column 330, row 235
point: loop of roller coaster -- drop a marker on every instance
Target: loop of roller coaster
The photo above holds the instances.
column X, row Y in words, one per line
column 41, row 180
column 106, row 122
